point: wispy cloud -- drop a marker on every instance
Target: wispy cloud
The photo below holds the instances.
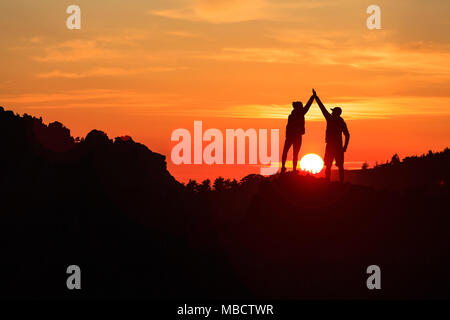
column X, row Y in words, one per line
column 182, row 34
column 76, row 50
column 354, row 108
column 266, row 55
column 365, row 51
column 157, row 104
column 105, row 47
column 102, row 72
column 231, row 11
column 91, row 98
column 217, row 11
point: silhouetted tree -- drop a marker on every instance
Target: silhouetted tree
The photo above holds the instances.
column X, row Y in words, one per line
column 192, row 186
column 231, row 184
column 205, row 186
column 219, row 184
column 395, row 160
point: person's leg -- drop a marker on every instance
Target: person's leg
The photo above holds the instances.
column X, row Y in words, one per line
column 297, row 146
column 328, row 172
column 341, row 173
column 287, row 146
column 328, row 159
column 340, row 164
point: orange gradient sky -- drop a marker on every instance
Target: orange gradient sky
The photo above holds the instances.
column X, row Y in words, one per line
column 145, row 68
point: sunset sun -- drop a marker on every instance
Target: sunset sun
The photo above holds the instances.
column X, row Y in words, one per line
column 311, row 163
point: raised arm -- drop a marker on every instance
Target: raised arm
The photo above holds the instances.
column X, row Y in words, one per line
column 308, row 104
column 324, row 110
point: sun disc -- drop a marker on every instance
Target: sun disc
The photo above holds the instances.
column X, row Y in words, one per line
column 311, row 163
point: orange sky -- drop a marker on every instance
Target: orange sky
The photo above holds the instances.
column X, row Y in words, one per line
column 145, row 68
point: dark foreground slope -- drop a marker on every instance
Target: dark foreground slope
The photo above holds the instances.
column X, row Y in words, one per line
column 432, row 168
column 112, row 208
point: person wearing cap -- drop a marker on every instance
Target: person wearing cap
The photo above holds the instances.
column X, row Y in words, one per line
column 295, row 128
column 334, row 150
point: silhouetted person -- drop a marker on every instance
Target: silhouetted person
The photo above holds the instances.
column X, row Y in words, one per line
column 334, row 150
column 295, row 128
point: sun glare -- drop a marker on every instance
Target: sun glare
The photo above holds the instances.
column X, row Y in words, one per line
column 311, row 163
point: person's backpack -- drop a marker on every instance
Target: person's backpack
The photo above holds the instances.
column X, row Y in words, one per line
column 296, row 122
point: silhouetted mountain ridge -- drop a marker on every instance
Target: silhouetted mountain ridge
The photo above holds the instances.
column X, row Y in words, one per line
column 432, row 168
column 27, row 137
column 112, row 208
